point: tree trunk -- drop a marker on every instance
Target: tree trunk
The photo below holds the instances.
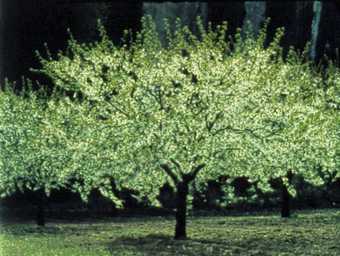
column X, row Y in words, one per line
column 285, row 204
column 182, row 186
column 40, row 218
column 41, row 215
column 181, row 210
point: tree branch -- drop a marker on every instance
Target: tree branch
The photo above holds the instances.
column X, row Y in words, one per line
column 210, row 124
column 177, row 164
column 119, row 109
column 166, row 168
column 235, row 130
column 192, row 175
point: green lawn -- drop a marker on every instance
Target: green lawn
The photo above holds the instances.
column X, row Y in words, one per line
column 307, row 233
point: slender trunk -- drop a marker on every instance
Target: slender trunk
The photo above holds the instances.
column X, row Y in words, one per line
column 285, row 202
column 40, row 218
column 41, row 215
column 181, row 210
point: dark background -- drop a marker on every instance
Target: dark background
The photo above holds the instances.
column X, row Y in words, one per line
column 27, row 25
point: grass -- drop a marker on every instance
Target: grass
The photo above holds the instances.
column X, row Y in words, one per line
column 306, row 233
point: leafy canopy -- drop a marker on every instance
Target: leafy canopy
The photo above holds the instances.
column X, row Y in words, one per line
column 34, row 148
column 237, row 108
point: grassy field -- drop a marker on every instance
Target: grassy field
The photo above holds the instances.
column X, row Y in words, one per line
column 306, row 233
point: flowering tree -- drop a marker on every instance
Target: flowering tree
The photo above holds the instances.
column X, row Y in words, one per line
column 33, row 149
column 307, row 121
column 195, row 109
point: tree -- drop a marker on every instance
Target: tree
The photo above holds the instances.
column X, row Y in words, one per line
column 34, row 155
column 305, row 114
column 195, row 109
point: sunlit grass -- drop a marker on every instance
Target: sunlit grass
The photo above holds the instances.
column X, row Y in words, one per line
column 307, row 233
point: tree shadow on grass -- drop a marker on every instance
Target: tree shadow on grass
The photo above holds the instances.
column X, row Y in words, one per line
column 165, row 245
column 253, row 243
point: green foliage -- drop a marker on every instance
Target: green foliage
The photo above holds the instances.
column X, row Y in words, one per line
column 34, row 152
column 238, row 108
